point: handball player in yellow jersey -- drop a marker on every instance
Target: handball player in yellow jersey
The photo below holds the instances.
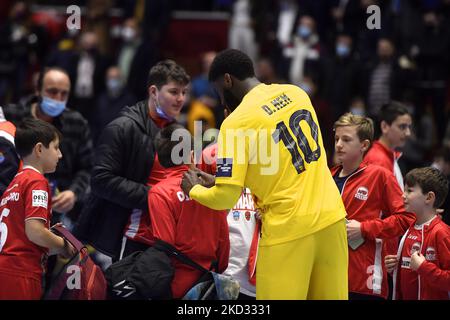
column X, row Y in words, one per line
column 271, row 143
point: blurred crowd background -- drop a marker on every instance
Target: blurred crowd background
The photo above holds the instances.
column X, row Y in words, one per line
column 323, row 46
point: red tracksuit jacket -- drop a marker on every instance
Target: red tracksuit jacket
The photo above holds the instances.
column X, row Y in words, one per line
column 369, row 193
column 433, row 275
column 199, row 232
column 382, row 156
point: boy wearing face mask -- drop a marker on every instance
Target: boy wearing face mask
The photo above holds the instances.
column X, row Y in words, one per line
column 71, row 178
column 126, row 165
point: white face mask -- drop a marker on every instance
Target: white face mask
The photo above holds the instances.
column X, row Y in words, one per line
column 128, row 34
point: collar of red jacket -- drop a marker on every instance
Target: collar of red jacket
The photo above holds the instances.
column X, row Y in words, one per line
column 338, row 168
column 176, row 171
column 395, row 155
column 431, row 225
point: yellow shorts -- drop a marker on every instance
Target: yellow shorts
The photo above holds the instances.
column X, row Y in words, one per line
column 314, row 267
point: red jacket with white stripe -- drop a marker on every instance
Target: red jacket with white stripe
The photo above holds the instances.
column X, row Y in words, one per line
column 434, row 273
column 382, row 156
column 368, row 194
column 199, row 232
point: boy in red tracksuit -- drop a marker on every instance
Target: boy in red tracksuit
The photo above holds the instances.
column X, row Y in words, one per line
column 424, row 252
column 368, row 192
column 395, row 125
column 244, row 230
column 199, row 232
column 25, row 213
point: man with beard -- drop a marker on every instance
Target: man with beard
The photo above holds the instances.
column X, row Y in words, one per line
column 279, row 155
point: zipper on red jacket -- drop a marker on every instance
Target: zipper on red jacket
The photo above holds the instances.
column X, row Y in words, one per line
column 343, row 186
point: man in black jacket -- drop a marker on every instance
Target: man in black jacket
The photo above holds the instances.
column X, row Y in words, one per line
column 125, row 166
column 70, row 181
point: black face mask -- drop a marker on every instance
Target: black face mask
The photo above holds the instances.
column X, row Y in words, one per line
column 231, row 101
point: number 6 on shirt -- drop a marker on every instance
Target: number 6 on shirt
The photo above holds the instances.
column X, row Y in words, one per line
column 3, row 228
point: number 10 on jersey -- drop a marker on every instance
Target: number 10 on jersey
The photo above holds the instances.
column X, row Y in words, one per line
column 282, row 133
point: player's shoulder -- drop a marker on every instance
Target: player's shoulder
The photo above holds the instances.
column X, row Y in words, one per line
column 377, row 170
column 29, row 177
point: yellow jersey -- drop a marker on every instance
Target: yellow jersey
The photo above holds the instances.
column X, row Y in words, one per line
column 272, row 144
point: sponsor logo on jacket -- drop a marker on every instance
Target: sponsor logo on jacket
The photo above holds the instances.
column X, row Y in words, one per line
column 362, row 193
column 430, row 254
column 39, row 198
column 415, row 248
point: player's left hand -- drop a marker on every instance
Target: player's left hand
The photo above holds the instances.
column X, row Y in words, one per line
column 416, row 260
column 190, row 179
column 64, row 201
column 354, row 230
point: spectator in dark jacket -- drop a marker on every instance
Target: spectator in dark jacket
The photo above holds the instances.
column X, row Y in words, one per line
column 111, row 101
column 135, row 57
column 385, row 80
column 70, row 181
column 87, row 72
column 430, row 52
column 341, row 76
column 125, row 163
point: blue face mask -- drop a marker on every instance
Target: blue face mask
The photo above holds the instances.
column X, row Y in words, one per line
column 114, row 86
column 52, row 108
column 342, row 50
column 304, row 31
column 161, row 112
column 357, row 111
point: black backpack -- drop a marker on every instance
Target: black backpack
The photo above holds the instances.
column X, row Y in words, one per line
column 148, row 274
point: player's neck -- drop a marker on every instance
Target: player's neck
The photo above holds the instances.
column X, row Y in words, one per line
column 425, row 216
column 38, row 114
column 31, row 162
column 248, row 85
column 349, row 167
column 385, row 142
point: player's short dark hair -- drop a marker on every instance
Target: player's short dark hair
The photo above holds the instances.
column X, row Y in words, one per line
column 429, row 179
column 165, row 71
column 234, row 62
column 165, row 142
column 40, row 81
column 32, row 131
column 389, row 112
